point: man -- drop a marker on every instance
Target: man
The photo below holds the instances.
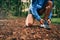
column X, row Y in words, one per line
column 38, row 7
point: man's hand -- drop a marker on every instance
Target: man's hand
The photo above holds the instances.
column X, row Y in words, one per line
column 49, row 21
column 41, row 21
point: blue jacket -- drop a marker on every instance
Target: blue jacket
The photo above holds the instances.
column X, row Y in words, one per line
column 38, row 4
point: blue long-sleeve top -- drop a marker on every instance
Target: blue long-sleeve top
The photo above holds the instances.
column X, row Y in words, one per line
column 38, row 4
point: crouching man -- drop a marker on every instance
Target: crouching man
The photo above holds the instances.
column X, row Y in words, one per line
column 37, row 8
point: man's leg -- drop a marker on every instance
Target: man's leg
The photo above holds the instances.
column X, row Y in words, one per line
column 40, row 12
column 48, row 10
column 29, row 20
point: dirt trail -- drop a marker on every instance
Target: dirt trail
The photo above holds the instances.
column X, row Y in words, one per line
column 14, row 29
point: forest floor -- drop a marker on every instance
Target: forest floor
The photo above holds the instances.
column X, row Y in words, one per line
column 14, row 29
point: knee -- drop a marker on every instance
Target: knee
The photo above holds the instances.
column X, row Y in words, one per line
column 29, row 20
column 50, row 3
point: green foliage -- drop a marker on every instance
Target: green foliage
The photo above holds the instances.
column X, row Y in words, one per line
column 57, row 8
column 54, row 20
column 15, row 7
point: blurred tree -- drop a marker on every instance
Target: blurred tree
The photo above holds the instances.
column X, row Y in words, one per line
column 57, row 8
column 15, row 7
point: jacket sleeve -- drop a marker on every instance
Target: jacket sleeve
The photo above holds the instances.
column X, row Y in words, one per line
column 35, row 13
column 50, row 16
column 33, row 10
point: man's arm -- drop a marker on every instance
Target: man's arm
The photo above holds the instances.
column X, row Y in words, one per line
column 35, row 13
column 33, row 9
